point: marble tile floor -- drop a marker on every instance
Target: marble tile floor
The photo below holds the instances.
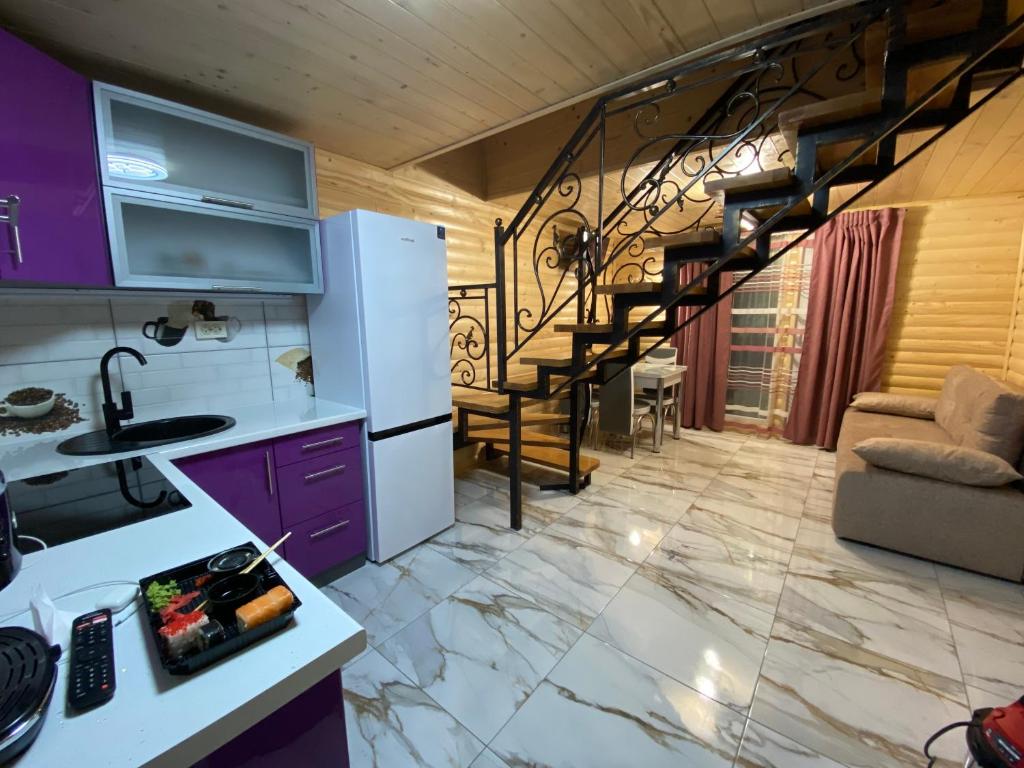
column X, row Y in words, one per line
column 690, row 608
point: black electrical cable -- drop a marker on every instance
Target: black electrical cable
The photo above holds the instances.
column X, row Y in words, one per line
column 941, row 732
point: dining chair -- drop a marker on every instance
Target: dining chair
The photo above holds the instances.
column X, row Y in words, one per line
column 620, row 411
column 663, row 356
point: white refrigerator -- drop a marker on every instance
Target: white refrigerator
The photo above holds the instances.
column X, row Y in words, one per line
column 379, row 340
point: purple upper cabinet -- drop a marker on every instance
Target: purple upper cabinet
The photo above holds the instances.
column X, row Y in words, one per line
column 243, row 481
column 48, row 160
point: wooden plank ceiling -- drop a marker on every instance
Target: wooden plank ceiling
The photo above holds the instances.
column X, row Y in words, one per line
column 383, row 81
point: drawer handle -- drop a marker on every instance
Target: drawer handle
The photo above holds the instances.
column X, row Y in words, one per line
column 322, row 443
column 325, row 472
column 237, row 288
column 270, row 473
column 13, row 205
column 328, row 529
column 227, row 202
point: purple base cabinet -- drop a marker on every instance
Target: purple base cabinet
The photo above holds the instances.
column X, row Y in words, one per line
column 243, row 481
column 48, row 161
column 308, row 731
column 310, row 484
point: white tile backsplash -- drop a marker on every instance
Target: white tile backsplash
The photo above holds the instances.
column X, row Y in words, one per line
column 57, row 343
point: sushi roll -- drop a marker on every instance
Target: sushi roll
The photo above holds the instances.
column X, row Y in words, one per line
column 211, row 634
column 182, row 634
column 264, row 608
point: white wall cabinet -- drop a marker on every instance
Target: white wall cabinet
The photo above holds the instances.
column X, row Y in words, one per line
column 159, row 241
column 198, row 201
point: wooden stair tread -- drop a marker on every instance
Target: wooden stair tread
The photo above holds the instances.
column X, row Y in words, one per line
column 612, row 289
column 527, row 437
column 566, row 360
column 527, row 382
column 554, row 458
column 600, row 327
column 527, row 419
column 685, row 239
column 752, row 182
column 802, row 208
column 481, row 402
column 822, row 113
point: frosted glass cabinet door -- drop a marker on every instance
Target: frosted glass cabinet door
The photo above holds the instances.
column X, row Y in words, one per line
column 158, row 242
column 151, row 145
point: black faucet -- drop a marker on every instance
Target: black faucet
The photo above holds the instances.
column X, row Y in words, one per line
column 112, row 415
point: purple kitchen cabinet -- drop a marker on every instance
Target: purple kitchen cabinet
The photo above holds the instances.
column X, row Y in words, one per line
column 318, row 485
column 242, row 480
column 308, row 731
column 328, row 540
column 48, row 160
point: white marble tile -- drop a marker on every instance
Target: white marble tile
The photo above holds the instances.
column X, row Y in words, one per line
column 479, row 538
column 391, row 723
column 899, row 615
column 488, row 759
column 987, row 616
column 568, row 578
column 746, row 569
column 602, row 709
column 778, row 494
column 480, row 653
column 384, row 598
column 536, row 517
column 763, row 748
column 859, row 708
column 614, row 527
column 667, row 504
column 711, row 643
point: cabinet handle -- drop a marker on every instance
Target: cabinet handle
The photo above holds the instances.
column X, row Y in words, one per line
column 270, row 473
column 324, row 472
column 322, row 443
column 237, row 288
column 328, row 529
column 13, row 205
column 227, row 202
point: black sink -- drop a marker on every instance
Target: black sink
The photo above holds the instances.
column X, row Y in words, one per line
column 146, row 434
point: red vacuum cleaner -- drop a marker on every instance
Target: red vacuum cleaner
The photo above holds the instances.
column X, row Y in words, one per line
column 995, row 737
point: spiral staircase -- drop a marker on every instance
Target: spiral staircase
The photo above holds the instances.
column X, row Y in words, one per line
column 794, row 127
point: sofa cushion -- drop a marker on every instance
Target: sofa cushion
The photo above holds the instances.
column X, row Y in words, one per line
column 950, row 463
column 979, row 412
column 912, row 406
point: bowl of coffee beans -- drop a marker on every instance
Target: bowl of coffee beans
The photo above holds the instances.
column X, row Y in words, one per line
column 28, row 403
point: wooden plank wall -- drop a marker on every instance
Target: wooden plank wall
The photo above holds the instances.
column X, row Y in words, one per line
column 345, row 184
column 955, row 292
column 1013, row 369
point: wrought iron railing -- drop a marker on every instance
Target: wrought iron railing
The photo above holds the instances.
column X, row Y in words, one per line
column 469, row 328
column 656, row 187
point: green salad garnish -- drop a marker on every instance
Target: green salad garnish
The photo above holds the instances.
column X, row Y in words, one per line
column 159, row 595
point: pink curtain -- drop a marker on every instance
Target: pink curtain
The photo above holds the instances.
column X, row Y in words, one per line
column 853, row 278
column 703, row 347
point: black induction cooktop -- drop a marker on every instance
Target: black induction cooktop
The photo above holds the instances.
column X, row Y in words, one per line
column 64, row 506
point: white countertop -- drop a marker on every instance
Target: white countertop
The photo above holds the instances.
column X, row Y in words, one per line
column 253, row 422
column 156, row 719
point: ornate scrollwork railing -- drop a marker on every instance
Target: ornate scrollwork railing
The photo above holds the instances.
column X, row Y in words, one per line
column 573, row 239
column 469, row 329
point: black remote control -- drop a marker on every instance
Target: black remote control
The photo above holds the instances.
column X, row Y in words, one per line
column 91, row 678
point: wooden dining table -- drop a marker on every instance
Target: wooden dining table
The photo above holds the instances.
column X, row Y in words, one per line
column 661, row 377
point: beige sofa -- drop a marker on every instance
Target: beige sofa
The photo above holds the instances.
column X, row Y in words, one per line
column 978, row 528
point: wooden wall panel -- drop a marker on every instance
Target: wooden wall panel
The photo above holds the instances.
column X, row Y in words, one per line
column 955, row 291
column 1014, row 363
column 345, row 184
